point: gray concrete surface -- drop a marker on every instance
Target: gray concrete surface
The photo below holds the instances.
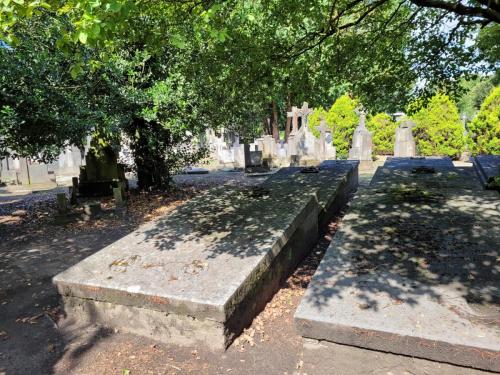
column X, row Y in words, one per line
column 413, row 271
column 206, row 262
column 323, row 357
column 487, row 168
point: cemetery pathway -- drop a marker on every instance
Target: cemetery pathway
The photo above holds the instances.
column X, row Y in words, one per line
column 33, row 250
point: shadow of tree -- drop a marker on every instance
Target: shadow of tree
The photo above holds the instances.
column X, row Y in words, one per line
column 408, row 239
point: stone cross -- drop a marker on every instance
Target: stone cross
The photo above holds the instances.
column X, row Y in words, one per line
column 304, row 112
column 362, row 119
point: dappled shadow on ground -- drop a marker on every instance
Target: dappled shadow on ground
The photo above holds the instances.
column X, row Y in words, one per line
column 406, row 243
column 28, row 301
column 31, row 253
column 245, row 221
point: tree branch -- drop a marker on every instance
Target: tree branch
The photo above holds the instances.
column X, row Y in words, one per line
column 457, row 7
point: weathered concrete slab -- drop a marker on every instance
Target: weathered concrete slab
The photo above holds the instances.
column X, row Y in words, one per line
column 414, row 272
column 200, row 273
column 323, row 357
column 333, row 180
column 438, row 173
column 487, row 168
column 407, row 163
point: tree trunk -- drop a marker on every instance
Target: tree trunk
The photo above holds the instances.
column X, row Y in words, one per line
column 288, row 126
column 150, row 168
column 276, row 132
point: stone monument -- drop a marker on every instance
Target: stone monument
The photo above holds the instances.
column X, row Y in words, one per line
column 405, row 144
column 361, row 142
column 101, row 173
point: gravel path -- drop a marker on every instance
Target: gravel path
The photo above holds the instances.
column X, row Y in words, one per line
column 26, row 200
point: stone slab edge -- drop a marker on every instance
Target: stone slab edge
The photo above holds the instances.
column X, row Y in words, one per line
column 399, row 344
column 320, row 357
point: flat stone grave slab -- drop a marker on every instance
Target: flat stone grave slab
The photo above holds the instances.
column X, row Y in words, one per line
column 414, row 273
column 333, row 180
column 201, row 273
column 411, row 162
column 487, row 168
column 436, row 173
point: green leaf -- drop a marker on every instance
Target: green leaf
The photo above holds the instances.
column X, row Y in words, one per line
column 96, row 29
column 113, row 6
column 178, row 41
column 82, row 37
column 75, row 70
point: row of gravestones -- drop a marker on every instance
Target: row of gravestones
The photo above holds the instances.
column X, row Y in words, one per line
column 362, row 143
column 303, row 147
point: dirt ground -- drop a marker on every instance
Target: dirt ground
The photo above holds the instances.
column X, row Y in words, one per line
column 35, row 338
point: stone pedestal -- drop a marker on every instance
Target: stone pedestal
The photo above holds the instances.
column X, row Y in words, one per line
column 404, row 146
column 361, row 143
column 100, row 174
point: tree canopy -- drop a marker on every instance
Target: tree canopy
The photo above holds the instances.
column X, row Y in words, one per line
column 111, row 66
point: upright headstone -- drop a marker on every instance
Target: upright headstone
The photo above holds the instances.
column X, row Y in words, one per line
column 292, row 145
column 239, row 154
column 253, row 160
column 361, row 142
column 322, row 140
column 101, row 173
column 404, row 145
column 268, row 147
column 62, row 203
column 117, row 195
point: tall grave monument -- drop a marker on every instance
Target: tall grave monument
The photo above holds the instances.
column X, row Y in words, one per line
column 405, row 144
column 361, row 142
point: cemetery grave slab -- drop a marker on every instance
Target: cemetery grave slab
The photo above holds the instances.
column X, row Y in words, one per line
column 201, row 273
column 413, row 271
column 437, row 173
column 488, row 169
column 333, row 182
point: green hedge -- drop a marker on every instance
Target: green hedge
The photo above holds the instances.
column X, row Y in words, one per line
column 383, row 130
column 485, row 128
column 438, row 129
column 341, row 119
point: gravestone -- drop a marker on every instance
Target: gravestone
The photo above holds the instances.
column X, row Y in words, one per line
column 423, row 173
column 203, row 272
column 253, row 160
column 304, row 113
column 62, row 203
column 361, row 142
column 294, row 114
column 118, row 197
column 322, row 140
column 404, row 145
column 100, row 174
column 239, row 154
column 268, row 147
column 411, row 272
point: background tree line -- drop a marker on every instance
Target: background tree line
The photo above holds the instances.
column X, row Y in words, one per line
column 161, row 72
